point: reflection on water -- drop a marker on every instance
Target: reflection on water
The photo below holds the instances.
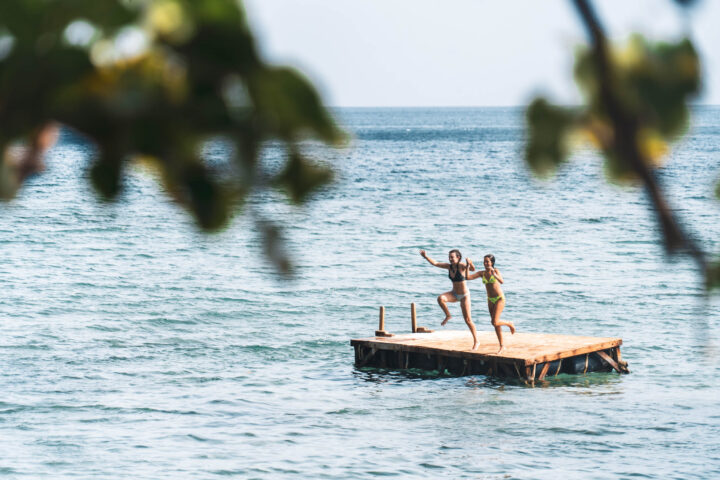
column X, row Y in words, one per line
column 589, row 380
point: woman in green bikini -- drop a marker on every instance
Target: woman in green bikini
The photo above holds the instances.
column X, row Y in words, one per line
column 492, row 278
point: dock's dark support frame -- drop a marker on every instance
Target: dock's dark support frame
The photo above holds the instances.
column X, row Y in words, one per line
column 393, row 356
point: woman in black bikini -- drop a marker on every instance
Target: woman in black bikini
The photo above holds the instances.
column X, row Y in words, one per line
column 457, row 272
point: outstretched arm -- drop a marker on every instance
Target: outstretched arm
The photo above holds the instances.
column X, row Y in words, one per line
column 433, row 262
column 475, row 275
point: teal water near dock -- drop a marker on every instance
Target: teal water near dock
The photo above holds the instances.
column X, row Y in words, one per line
column 133, row 346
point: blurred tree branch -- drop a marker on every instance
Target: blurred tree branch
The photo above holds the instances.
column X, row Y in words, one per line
column 636, row 103
column 151, row 81
column 625, row 131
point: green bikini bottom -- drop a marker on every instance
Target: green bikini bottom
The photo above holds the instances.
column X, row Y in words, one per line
column 494, row 300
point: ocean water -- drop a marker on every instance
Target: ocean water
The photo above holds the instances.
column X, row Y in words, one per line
column 133, row 346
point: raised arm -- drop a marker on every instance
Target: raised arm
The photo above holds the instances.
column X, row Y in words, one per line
column 434, row 263
column 497, row 274
column 469, row 267
column 470, row 264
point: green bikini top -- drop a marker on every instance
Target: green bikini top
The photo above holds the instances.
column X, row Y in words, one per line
column 492, row 279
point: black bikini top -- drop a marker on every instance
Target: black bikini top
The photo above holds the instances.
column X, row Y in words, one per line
column 457, row 276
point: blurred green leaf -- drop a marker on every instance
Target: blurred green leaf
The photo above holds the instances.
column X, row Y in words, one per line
column 105, row 174
column 657, row 81
column 290, row 105
column 220, row 12
column 301, row 177
column 206, row 199
column 652, row 82
column 33, row 20
column 548, row 129
column 712, row 276
column 274, row 244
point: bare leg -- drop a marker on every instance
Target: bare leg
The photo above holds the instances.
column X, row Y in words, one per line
column 498, row 332
column 495, row 312
column 466, row 309
column 442, row 301
column 498, row 311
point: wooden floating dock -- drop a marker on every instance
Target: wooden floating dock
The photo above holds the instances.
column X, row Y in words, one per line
column 528, row 356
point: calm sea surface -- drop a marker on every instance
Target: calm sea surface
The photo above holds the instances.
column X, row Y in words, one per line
column 133, row 346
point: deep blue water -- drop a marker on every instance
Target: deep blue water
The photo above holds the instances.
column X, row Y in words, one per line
column 133, row 346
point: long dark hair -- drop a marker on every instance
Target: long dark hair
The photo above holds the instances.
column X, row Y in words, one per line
column 491, row 257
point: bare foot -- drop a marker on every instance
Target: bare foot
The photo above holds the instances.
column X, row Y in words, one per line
column 512, row 328
column 445, row 321
column 475, row 346
column 502, row 349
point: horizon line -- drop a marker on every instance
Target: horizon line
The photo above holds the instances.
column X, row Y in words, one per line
column 482, row 106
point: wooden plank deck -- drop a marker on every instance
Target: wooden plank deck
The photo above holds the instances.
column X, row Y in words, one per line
column 527, row 355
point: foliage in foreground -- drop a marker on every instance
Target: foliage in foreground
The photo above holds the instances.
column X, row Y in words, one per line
column 635, row 104
column 154, row 80
column 653, row 82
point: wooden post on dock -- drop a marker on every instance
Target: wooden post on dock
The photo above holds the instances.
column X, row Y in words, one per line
column 380, row 332
column 413, row 317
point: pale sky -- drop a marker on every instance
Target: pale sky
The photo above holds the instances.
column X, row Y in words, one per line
column 461, row 52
